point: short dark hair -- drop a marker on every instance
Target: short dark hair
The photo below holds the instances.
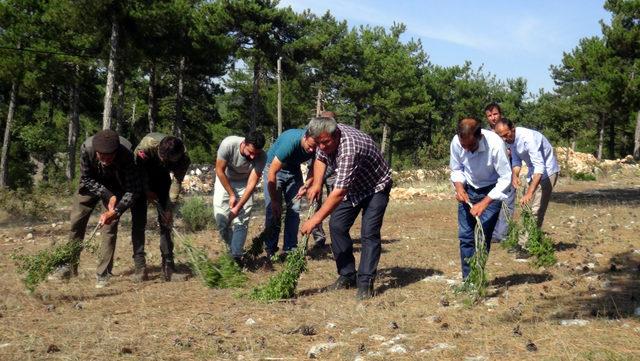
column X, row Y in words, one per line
column 506, row 122
column 171, row 148
column 255, row 138
column 493, row 105
column 469, row 126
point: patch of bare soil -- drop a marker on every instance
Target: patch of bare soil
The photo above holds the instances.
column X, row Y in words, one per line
column 584, row 307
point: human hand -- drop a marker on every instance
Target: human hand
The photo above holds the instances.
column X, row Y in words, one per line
column 526, row 199
column 462, row 196
column 232, row 200
column 313, row 193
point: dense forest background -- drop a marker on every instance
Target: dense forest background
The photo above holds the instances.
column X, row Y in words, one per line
column 206, row 69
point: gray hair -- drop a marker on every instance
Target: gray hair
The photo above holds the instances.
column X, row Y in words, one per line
column 319, row 125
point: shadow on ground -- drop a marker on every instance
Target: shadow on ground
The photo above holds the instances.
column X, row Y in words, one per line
column 629, row 196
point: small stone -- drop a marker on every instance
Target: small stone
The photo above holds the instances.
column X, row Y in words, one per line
column 29, row 236
column 575, row 322
column 397, row 349
column 358, row 330
column 434, row 319
column 126, row 351
column 393, row 325
column 531, row 347
column 79, row 306
column 50, row 307
column 379, row 338
column 53, row 225
column 250, row 322
column 53, row 348
column 330, row 325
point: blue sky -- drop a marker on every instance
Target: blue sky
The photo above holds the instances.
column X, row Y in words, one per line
column 509, row 38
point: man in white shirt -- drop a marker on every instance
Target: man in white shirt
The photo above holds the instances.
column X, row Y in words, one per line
column 481, row 174
column 535, row 150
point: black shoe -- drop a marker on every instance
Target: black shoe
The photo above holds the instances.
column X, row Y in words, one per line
column 168, row 268
column 521, row 253
column 342, row 283
column 365, row 291
column 496, row 240
column 140, row 274
column 239, row 261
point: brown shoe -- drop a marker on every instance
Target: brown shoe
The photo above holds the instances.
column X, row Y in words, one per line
column 267, row 265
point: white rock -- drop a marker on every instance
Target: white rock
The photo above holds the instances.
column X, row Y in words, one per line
column 397, row 349
column 433, row 278
column 198, row 171
column 438, row 347
column 591, row 265
column 318, row 348
column 250, row 321
column 5, row 345
column 491, row 302
column 53, row 225
column 598, row 255
column 377, row 338
column 520, row 260
column 452, row 282
column 358, row 330
column 330, row 325
column 29, row 236
column 358, row 358
column 374, row 354
column 636, row 251
column 399, row 337
column 574, row 322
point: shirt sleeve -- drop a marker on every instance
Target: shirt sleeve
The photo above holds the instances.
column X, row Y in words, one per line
column 534, row 148
column 455, row 163
column 515, row 158
column 503, row 168
column 179, row 171
column 131, row 182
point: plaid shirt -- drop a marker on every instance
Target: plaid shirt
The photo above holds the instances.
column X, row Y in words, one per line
column 120, row 178
column 359, row 165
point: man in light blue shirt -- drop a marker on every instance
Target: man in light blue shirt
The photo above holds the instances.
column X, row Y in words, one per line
column 481, row 175
column 535, row 150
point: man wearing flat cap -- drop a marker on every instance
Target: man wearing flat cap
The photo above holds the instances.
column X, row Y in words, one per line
column 107, row 175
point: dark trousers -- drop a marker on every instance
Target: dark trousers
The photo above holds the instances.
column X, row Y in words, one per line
column 342, row 218
column 159, row 183
column 83, row 205
column 467, row 224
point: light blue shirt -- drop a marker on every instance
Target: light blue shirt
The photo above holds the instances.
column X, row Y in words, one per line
column 486, row 166
column 535, row 150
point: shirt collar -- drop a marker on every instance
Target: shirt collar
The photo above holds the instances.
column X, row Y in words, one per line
column 481, row 147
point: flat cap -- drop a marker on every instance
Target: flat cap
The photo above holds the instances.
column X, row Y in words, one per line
column 106, row 141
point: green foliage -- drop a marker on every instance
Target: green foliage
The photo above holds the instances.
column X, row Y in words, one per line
column 538, row 244
column 283, row 285
column 196, row 213
column 38, row 266
column 257, row 243
column 579, row 176
column 513, row 233
column 223, row 273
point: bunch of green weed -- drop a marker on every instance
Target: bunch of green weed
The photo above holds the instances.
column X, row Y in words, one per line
column 195, row 213
column 223, row 273
column 513, row 233
column 257, row 244
column 581, row 176
column 38, row 266
column 283, row 285
column 538, row 244
column 477, row 281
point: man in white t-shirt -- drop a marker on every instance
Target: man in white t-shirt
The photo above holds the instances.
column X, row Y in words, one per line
column 239, row 165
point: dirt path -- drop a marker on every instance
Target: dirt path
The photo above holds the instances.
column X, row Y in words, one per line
column 595, row 288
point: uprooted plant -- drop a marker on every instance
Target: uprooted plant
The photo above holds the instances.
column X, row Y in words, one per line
column 38, row 266
column 283, row 285
column 538, row 244
column 475, row 285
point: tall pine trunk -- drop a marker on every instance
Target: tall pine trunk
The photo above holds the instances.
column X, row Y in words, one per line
column 601, row 137
column 636, row 143
column 4, row 168
column 179, row 121
column 121, row 101
column 254, row 97
column 153, row 103
column 74, row 125
column 111, row 71
column 612, row 139
column 385, row 144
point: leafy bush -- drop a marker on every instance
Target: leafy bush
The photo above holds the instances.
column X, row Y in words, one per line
column 538, row 244
column 283, row 285
column 579, row 176
column 223, row 273
column 21, row 203
column 196, row 213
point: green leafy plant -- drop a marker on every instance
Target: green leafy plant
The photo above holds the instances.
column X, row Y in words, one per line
column 580, row 176
column 195, row 213
column 222, row 273
column 538, row 244
column 38, row 266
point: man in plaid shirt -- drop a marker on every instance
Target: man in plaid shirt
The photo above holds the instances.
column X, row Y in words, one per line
column 363, row 182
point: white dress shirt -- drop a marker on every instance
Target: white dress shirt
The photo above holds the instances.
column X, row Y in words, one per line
column 486, row 166
column 535, row 150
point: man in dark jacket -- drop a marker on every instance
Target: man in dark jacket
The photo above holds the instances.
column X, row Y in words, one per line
column 107, row 174
column 157, row 156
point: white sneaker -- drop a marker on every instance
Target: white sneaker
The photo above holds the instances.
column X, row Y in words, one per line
column 102, row 281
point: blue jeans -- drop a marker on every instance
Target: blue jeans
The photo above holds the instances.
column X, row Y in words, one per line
column 467, row 223
column 287, row 184
column 502, row 227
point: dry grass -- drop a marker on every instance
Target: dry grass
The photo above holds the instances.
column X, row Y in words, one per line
column 594, row 225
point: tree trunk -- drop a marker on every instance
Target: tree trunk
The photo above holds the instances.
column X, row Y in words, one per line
column 4, row 169
column 601, row 138
column 573, row 145
column 254, row 97
column 279, row 96
column 612, row 139
column 179, row 122
column 111, row 70
column 385, row 146
column 74, row 125
column 121, row 101
column 636, row 145
column 153, row 104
